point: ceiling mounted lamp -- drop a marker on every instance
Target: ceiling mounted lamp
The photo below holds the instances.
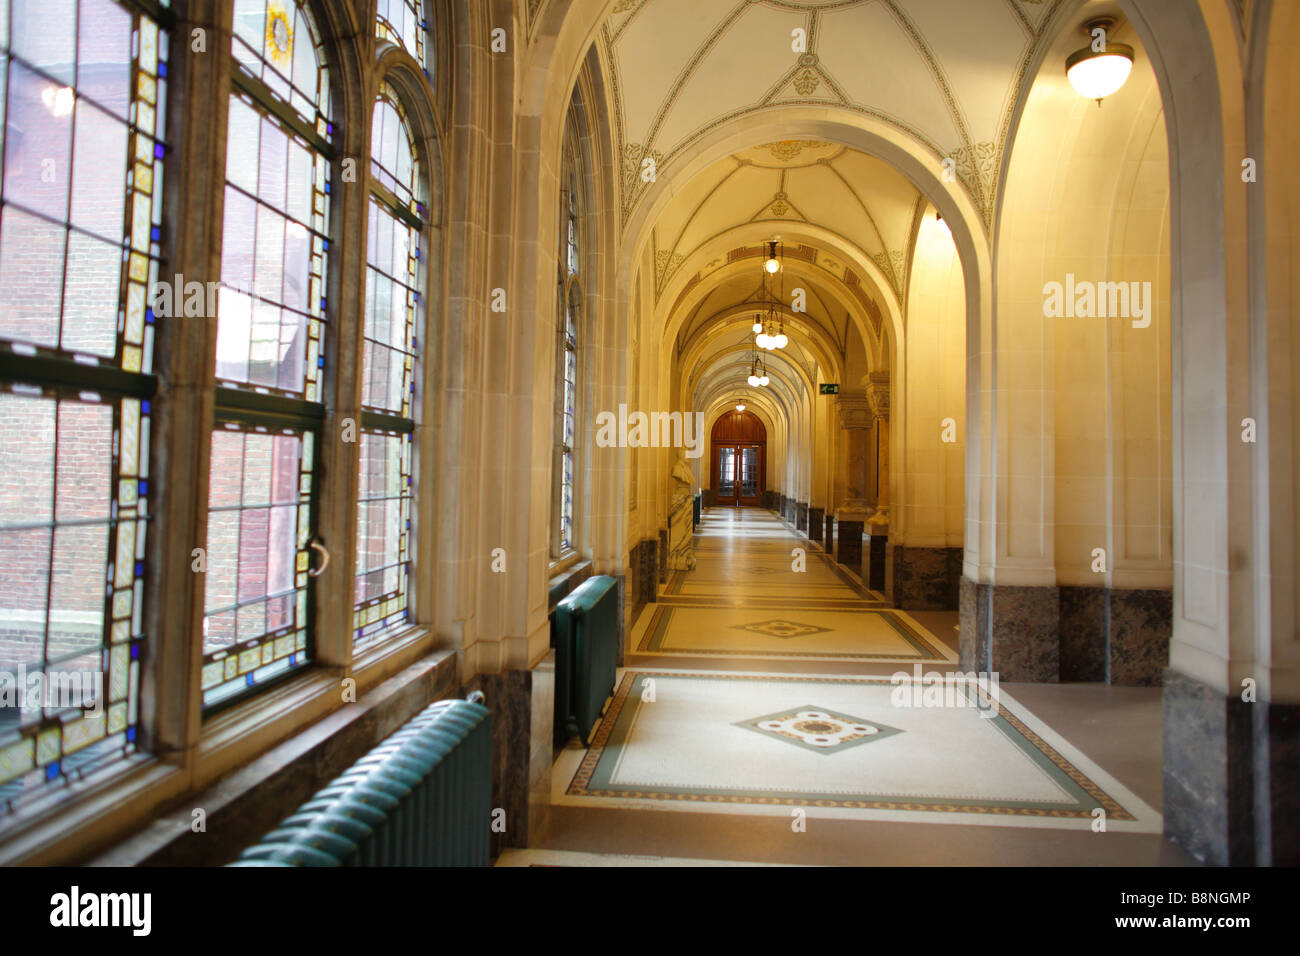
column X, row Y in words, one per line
column 757, row 374
column 740, row 406
column 758, row 324
column 1100, row 68
column 772, row 265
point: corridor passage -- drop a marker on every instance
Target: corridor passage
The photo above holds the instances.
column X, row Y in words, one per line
column 756, row 721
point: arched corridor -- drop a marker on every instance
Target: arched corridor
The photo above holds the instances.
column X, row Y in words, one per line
column 655, row 380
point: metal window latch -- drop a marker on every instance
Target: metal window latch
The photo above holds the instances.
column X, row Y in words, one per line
column 476, row 697
column 317, row 545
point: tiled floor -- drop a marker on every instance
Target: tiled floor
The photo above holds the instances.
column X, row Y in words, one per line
column 756, row 722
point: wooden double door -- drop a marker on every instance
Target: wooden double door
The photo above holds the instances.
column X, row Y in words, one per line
column 738, row 473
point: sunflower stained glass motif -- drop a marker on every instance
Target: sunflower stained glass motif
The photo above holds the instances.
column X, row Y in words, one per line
column 276, row 43
column 393, row 324
column 402, row 22
column 83, row 86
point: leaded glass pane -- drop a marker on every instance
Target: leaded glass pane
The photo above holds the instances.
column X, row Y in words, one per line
column 257, row 557
column 383, row 535
column 271, row 305
column 277, row 42
column 82, row 106
column 402, row 22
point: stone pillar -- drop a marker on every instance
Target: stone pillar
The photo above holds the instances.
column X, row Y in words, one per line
column 857, row 418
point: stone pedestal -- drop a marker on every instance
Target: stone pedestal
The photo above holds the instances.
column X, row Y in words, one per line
column 848, row 542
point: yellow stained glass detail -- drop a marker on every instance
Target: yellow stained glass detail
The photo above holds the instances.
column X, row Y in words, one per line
column 117, row 718
column 232, row 667
column 249, row 659
column 212, row 674
column 122, row 604
column 138, row 267
column 124, row 572
column 279, row 36
column 47, row 745
column 119, row 674
column 130, row 436
column 86, row 730
column 16, row 759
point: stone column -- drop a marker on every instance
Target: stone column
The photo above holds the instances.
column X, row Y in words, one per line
column 856, row 417
column 873, row 568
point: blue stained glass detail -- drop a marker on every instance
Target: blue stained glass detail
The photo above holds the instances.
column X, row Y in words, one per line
column 327, row 189
column 148, row 316
column 325, row 244
column 145, row 406
column 144, row 490
column 329, row 128
column 52, row 771
column 135, row 652
column 139, row 568
column 130, row 734
column 158, row 150
column 155, row 233
column 293, row 659
column 248, row 680
column 320, row 362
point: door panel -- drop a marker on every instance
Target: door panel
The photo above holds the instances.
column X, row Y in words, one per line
column 726, row 475
column 749, row 492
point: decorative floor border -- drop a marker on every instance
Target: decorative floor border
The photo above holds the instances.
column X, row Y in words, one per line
column 927, row 652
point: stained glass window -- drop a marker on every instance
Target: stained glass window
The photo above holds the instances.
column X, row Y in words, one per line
column 270, row 356
column 259, row 530
column 569, row 323
column 393, row 324
column 83, row 88
column 402, row 22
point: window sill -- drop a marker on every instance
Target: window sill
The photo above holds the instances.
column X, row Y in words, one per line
column 90, row 813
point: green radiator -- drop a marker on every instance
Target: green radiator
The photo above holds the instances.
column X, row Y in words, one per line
column 585, row 637
column 421, row 798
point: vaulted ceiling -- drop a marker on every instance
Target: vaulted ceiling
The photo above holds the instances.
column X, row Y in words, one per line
column 856, row 201
column 946, row 73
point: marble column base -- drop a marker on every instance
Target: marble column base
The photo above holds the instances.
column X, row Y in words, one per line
column 829, row 541
column 814, row 531
column 926, row 579
column 873, row 560
column 1231, row 775
column 1010, row 629
column 1115, row 635
column 848, row 544
column 801, row 517
column 522, row 705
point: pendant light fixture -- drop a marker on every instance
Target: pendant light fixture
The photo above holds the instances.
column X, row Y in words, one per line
column 772, row 265
column 1100, row 68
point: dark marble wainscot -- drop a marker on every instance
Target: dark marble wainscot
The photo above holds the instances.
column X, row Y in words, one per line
column 1114, row 634
column 926, row 579
column 801, row 517
column 874, row 553
column 1011, row 629
column 1231, row 775
column 829, row 541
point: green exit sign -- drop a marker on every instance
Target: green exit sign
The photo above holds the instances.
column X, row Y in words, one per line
column 830, row 388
